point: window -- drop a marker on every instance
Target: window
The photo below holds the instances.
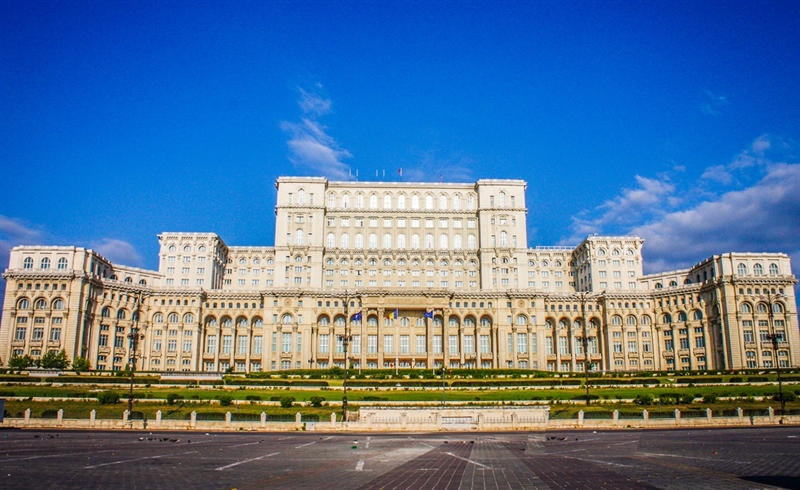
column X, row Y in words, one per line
column 453, row 344
column 741, row 269
column 388, row 344
column 286, row 344
column 324, row 343
column 522, row 343
column 27, row 263
column 45, row 263
column 62, row 263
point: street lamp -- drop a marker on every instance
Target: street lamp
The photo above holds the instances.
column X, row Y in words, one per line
column 586, row 358
column 346, row 339
column 774, row 339
column 134, row 338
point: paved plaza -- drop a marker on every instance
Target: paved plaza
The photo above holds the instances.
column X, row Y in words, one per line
column 742, row 458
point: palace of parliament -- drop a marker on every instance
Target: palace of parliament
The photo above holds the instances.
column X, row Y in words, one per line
column 401, row 275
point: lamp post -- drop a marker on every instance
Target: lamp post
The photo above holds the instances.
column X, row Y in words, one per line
column 134, row 338
column 346, row 338
column 774, row 339
column 586, row 357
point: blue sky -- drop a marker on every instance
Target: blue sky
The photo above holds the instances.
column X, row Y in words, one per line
column 678, row 121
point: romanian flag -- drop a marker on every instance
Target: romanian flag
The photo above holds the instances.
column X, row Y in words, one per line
column 393, row 314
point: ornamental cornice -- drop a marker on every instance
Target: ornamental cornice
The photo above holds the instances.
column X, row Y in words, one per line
column 24, row 274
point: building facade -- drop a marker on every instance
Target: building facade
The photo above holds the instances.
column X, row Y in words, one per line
column 401, row 275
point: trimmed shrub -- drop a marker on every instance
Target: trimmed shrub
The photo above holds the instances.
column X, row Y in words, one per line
column 287, row 401
column 225, row 400
column 253, row 398
column 108, row 397
column 710, row 398
column 172, row 398
column 316, row 401
column 644, row 399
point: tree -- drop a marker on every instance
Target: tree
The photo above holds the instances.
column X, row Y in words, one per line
column 55, row 360
column 19, row 363
column 81, row 364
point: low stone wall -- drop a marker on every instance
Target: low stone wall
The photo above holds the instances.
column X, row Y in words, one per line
column 416, row 419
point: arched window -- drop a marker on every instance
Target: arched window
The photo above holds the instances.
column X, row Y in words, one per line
column 429, row 241
column 645, row 320
column 45, row 264
column 502, row 199
column 121, row 314
column 210, row 321
column 401, row 202
column 24, row 304
column 339, row 321
column 746, row 308
column 373, row 240
column 415, row 202
column 105, row 312
column 187, row 248
column 401, row 241
column 667, row 318
column 659, row 285
column 630, row 320
column 298, row 237
column 486, row 321
column 345, row 240
column 404, row 322
column 40, row 304
column 27, row 263
column 372, row 321
column 682, row 316
column 457, row 202
column 469, row 322
column 616, row 320
column 457, row 242
column 503, row 239
column 673, row 284
column 226, row 321
column 323, row 321
column 188, row 318
column 172, row 318
column 359, row 241
column 698, row 315
column 373, row 201
column 128, row 280
column 242, row 322
column 442, row 202
column 471, row 244
column 58, row 304
column 443, row 241
column 387, row 202
column 330, row 240
column 615, row 251
column 761, row 308
column 359, row 201
column 741, row 269
column 453, row 321
column 387, row 240
column 471, row 201
column 159, row 318
column 286, row 319
column 773, row 269
column 62, row 263
column 331, row 200
column 522, row 320
column 758, row 270
column 429, row 202
column 345, row 201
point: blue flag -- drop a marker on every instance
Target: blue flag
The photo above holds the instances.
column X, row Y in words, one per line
column 357, row 316
column 429, row 314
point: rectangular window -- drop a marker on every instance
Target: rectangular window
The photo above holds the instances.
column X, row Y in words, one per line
column 286, row 344
column 226, row 344
column 562, row 345
column 372, row 344
column 421, row 340
column 485, row 346
column 299, row 340
column 632, row 346
column 469, row 344
column 103, row 341
column 355, row 344
column 172, row 345
column 339, row 345
column 211, row 344
column 522, row 343
column 275, row 338
column 388, row 344
column 437, row 344
column 324, row 343
column 618, row 347
column 119, row 342
column 241, row 344
column 453, row 344
column 187, row 346
column 404, row 344
column 258, row 346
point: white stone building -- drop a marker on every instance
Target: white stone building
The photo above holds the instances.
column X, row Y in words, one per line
column 418, row 275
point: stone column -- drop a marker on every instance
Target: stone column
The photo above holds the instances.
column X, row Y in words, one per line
column 158, row 418
column 92, row 418
column 580, row 418
column 228, row 419
column 298, row 421
column 60, row 417
column 193, row 420
column 263, row 419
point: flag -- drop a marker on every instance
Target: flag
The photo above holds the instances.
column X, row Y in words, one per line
column 393, row 314
column 400, row 171
column 355, row 317
column 429, row 314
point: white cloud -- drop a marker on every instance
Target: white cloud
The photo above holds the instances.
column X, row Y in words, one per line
column 310, row 147
column 717, row 173
column 118, row 251
column 760, row 218
column 14, row 232
column 647, row 199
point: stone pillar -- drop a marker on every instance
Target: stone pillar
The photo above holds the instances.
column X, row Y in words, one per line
column 645, row 415
column 615, row 416
column 59, row 416
column 708, row 415
column 513, row 419
column 227, row 419
column 677, row 416
column 193, row 419
column 771, row 413
column 263, row 419
column 298, row 421
column 740, row 414
column 580, row 418
column 92, row 417
column 27, row 416
column 403, row 420
column 480, row 421
column 333, row 419
column 158, row 418
column 126, row 416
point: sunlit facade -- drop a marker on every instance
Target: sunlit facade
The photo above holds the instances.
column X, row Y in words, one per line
column 416, row 275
